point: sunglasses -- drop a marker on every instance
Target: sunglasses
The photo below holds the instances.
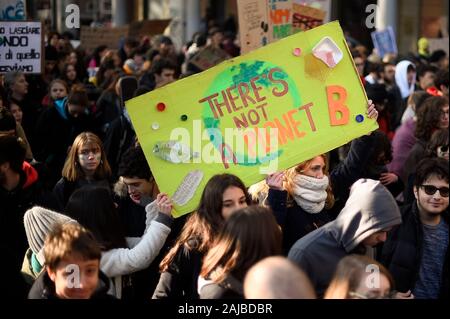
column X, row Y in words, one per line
column 431, row 190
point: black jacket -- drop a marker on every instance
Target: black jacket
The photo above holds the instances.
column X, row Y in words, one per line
column 65, row 188
column 119, row 137
column 44, row 288
column 55, row 134
column 180, row 280
column 296, row 222
column 402, row 251
column 13, row 205
column 229, row 288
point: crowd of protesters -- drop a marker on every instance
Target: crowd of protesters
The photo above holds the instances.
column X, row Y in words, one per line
column 75, row 188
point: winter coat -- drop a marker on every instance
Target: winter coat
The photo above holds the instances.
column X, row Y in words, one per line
column 141, row 252
column 296, row 222
column 14, row 204
column 108, row 109
column 44, row 288
column 181, row 278
column 119, row 137
column 369, row 209
column 55, row 132
column 402, row 251
column 133, row 218
column 415, row 156
column 402, row 144
column 64, row 189
column 229, row 288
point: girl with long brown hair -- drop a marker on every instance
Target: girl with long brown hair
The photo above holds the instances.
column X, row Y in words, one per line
column 222, row 196
column 248, row 236
column 86, row 164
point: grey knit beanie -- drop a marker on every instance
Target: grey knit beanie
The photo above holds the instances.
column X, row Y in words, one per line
column 38, row 223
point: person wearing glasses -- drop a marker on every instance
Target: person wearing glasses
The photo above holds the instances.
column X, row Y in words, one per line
column 436, row 147
column 416, row 253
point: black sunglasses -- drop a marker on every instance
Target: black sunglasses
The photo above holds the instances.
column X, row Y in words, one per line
column 431, row 190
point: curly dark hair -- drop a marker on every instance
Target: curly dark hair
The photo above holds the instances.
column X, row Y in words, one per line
column 431, row 167
column 134, row 164
column 428, row 117
column 439, row 138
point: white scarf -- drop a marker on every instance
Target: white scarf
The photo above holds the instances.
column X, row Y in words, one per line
column 310, row 193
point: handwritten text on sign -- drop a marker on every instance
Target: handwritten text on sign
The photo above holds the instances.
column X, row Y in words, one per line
column 20, row 47
column 268, row 110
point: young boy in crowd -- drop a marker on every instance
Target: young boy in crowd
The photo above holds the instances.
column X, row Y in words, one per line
column 72, row 258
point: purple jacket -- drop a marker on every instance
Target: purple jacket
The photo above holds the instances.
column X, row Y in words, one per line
column 402, row 144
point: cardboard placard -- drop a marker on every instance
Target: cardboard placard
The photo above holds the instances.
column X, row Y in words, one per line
column 94, row 37
column 91, row 38
column 209, row 57
column 384, row 41
column 280, row 19
column 305, row 18
column 253, row 24
column 13, row 10
column 255, row 114
column 438, row 44
column 21, row 47
column 147, row 27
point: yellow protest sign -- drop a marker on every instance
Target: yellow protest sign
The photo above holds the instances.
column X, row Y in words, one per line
column 265, row 111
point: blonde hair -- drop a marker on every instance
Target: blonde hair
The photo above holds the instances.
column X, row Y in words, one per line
column 72, row 170
column 349, row 274
column 260, row 191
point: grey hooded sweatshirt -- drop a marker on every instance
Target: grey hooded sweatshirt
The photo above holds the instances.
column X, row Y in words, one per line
column 369, row 209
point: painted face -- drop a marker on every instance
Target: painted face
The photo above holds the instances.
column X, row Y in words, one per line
column 137, row 187
column 233, row 199
column 373, row 288
column 429, row 199
column 443, row 123
column 16, row 111
column 75, row 278
column 89, row 157
column 58, row 91
column 443, row 152
column 316, row 168
column 376, row 238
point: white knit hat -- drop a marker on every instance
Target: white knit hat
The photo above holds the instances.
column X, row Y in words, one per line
column 38, row 222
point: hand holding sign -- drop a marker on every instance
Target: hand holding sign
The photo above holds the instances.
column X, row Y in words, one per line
column 258, row 113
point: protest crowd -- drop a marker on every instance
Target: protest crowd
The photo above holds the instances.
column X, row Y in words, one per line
column 76, row 188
